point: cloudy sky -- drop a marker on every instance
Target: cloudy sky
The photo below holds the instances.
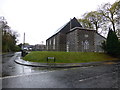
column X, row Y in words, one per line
column 40, row 19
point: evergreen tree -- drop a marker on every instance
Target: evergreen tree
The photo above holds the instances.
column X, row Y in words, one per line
column 103, row 46
column 112, row 43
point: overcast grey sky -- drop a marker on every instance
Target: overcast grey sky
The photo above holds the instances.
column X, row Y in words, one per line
column 40, row 19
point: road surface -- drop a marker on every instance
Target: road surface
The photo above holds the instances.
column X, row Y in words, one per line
column 10, row 68
column 102, row 76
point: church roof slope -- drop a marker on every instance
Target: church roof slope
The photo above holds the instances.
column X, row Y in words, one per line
column 68, row 26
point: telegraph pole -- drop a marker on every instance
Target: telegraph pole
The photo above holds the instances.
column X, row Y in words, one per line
column 23, row 42
column 24, row 39
column 23, row 51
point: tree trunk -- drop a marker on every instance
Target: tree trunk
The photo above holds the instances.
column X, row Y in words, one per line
column 96, row 27
column 113, row 24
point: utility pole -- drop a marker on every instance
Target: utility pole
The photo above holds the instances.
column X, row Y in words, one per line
column 23, row 51
column 23, row 41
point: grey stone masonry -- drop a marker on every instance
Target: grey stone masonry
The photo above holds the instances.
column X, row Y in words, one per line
column 98, row 40
column 83, row 40
column 73, row 38
column 52, row 44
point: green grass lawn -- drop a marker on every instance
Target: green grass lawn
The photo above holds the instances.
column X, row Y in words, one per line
column 67, row 57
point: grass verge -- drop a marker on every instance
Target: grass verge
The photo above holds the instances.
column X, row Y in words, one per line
column 67, row 57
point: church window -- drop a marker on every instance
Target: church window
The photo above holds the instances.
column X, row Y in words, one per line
column 86, row 45
column 47, row 44
column 54, row 43
column 86, row 35
column 50, row 42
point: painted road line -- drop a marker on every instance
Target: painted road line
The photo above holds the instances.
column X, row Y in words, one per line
column 7, row 77
column 95, row 77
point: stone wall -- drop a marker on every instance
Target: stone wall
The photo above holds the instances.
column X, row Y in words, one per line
column 98, row 40
column 77, row 40
column 86, row 40
column 56, row 42
column 72, row 43
column 80, row 40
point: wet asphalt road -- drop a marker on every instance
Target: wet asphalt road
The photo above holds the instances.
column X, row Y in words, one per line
column 102, row 76
column 10, row 68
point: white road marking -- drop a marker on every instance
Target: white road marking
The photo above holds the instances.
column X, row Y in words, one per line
column 87, row 67
column 73, row 68
column 24, row 75
column 94, row 77
column 81, row 80
column 65, row 69
column 84, row 67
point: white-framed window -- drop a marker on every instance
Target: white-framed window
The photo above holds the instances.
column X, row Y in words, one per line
column 54, row 43
column 67, row 47
column 47, row 45
column 86, row 45
column 50, row 42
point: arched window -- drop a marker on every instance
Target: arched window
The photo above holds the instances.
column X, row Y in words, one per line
column 67, row 47
column 86, row 45
column 47, row 45
column 50, row 42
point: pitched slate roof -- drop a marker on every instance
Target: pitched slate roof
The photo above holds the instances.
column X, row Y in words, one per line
column 70, row 25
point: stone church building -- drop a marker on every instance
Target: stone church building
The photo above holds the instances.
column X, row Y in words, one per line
column 72, row 37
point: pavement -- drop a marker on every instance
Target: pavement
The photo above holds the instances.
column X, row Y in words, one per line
column 62, row 65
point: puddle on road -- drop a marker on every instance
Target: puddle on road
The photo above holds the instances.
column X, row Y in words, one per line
column 21, row 70
column 11, row 68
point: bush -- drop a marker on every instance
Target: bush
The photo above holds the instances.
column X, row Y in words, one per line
column 16, row 48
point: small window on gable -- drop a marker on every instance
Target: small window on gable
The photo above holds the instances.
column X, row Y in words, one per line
column 86, row 35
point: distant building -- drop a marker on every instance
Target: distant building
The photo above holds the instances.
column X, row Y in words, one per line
column 27, row 47
column 39, row 47
column 73, row 38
